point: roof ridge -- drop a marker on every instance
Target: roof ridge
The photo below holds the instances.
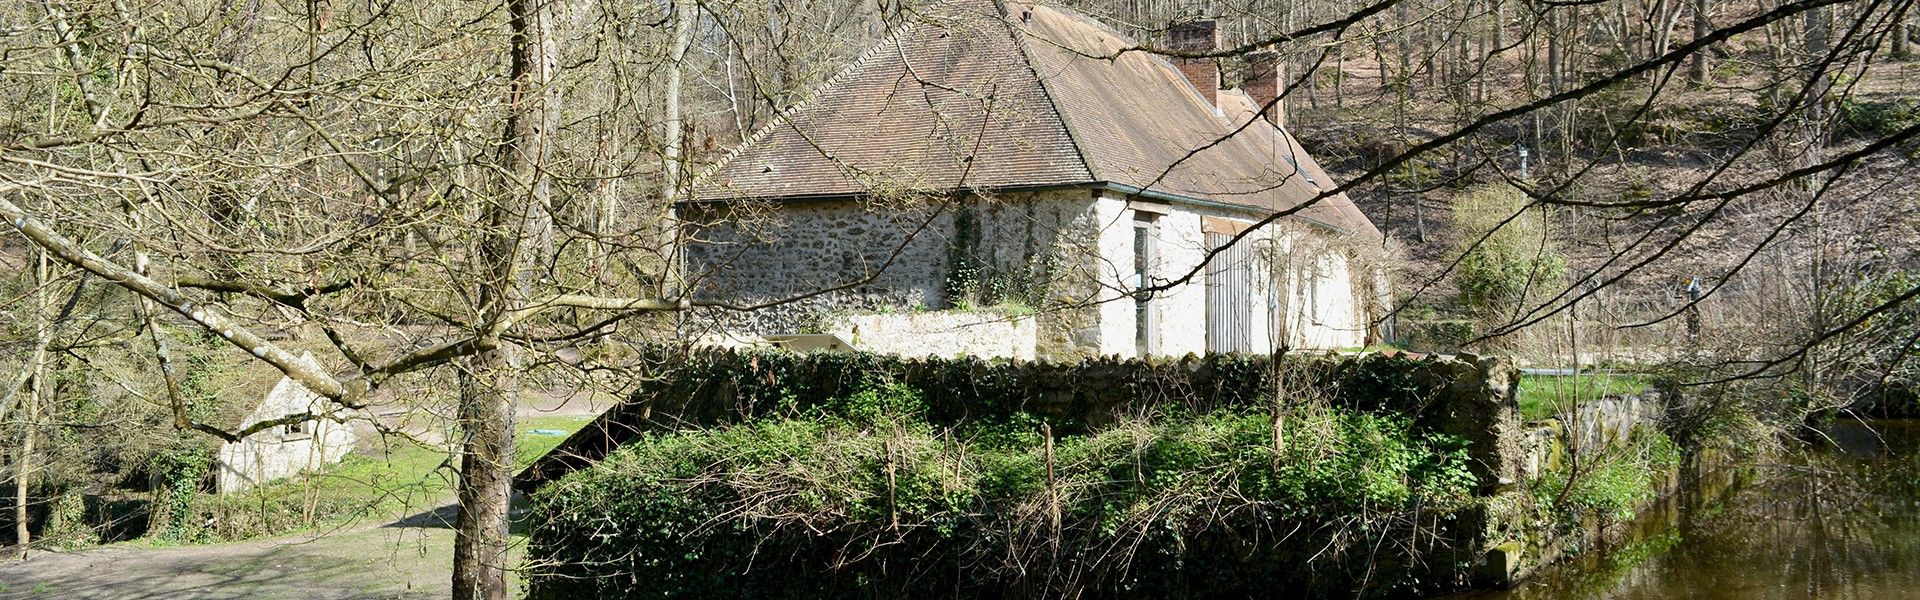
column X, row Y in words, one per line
column 1026, row 58
column 813, row 95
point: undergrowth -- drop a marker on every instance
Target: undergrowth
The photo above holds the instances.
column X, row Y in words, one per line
column 400, row 478
column 1542, row 396
column 1613, row 483
column 863, row 498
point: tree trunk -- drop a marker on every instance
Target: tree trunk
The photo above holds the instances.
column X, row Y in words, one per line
column 1500, row 24
column 685, row 17
column 1697, row 64
column 488, row 390
column 1554, row 77
column 1902, row 34
column 1404, row 46
column 30, row 421
column 519, row 227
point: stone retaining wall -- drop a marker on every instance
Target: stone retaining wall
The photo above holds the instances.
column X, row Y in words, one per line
column 1588, row 427
column 985, row 334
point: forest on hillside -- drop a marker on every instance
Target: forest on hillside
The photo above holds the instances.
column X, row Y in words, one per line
column 463, row 208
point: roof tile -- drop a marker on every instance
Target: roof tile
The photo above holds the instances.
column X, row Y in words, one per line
column 971, row 99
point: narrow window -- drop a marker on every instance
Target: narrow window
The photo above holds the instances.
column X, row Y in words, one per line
column 1315, row 278
column 1144, row 254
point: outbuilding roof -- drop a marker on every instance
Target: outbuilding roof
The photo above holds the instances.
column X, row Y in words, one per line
column 1003, row 96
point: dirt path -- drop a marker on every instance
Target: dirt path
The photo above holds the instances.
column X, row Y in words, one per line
column 390, row 561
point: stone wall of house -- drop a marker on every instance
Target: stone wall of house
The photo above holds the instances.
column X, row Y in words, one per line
column 944, row 334
column 283, row 450
column 1068, row 254
column 1032, row 249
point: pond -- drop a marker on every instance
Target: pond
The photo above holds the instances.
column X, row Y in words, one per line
column 1840, row 521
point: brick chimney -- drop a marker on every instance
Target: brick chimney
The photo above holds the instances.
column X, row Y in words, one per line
column 1204, row 73
column 1265, row 77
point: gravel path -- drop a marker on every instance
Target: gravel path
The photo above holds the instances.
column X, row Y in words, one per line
column 409, row 558
column 392, row 561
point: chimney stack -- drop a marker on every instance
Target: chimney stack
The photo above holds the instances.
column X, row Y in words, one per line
column 1265, row 78
column 1204, row 73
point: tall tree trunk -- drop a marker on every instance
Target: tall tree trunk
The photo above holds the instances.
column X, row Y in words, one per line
column 518, row 225
column 1818, row 31
column 1697, row 64
column 1403, row 79
column 1554, row 76
column 488, row 390
column 1902, row 36
column 1499, row 24
column 685, row 18
column 1340, row 74
column 30, row 421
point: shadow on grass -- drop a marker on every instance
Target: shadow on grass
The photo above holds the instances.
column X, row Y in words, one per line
column 446, row 516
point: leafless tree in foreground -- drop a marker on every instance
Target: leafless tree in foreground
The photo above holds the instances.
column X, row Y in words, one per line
column 432, row 187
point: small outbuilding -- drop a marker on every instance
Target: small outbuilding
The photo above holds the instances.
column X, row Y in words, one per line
column 283, row 450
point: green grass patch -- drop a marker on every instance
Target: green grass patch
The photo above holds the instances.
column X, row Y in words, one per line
column 1543, row 396
column 1613, row 483
column 397, row 478
column 534, row 437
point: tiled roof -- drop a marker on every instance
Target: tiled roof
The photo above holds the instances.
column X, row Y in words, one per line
column 973, row 98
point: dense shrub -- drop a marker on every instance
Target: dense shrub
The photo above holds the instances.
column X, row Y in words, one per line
column 1507, row 250
column 1072, row 397
column 862, row 497
column 1613, row 483
column 715, row 386
column 1873, row 120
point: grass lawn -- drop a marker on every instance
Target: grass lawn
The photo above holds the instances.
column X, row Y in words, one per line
column 401, row 478
column 533, row 436
column 1542, row 396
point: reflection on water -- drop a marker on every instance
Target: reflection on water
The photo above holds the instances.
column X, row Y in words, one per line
column 1840, row 522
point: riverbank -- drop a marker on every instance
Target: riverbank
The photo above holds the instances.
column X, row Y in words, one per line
column 1836, row 519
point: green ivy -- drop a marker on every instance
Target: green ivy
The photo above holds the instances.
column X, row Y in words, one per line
column 877, row 502
column 178, row 470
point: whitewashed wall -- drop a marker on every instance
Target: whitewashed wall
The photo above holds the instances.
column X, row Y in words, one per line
column 1322, row 312
column 279, row 451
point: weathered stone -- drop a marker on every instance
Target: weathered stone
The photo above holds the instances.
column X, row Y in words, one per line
column 1068, row 254
column 979, row 334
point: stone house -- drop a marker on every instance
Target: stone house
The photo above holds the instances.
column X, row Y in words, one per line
column 1019, row 158
column 282, row 450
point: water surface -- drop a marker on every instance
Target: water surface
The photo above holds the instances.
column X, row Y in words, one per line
column 1840, row 521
